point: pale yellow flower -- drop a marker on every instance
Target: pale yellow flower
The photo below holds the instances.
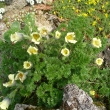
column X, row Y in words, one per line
column 43, row 31
column 36, row 37
column 92, row 92
column 21, row 76
column 96, row 43
column 27, row 65
column 70, row 37
column 5, row 104
column 57, row 34
column 11, row 81
column 65, row 52
column 99, row 61
column 16, row 37
column 94, row 2
column 32, row 50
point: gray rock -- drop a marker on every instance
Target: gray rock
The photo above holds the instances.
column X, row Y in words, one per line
column 8, row 2
column 3, row 28
column 76, row 99
column 24, row 106
column 106, row 54
column 16, row 5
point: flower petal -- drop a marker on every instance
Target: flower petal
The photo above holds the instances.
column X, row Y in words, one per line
column 65, row 52
column 9, row 84
column 11, row 76
column 32, row 50
column 36, row 37
column 96, row 42
column 99, row 61
column 21, row 76
column 5, row 104
column 69, row 38
column 27, row 65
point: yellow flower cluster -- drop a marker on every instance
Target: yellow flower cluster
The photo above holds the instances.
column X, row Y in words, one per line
column 69, row 38
column 35, row 38
column 32, row 50
column 94, row 2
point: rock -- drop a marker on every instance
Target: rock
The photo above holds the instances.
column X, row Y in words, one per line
column 76, row 99
column 8, row 2
column 24, row 107
column 13, row 9
column 16, row 5
column 3, row 28
column 30, row 107
column 106, row 55
column 45, row 20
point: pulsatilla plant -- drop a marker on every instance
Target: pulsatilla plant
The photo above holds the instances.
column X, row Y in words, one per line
column 36, row 64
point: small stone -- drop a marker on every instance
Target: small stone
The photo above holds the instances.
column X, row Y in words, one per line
column 3, row 28
column 24, row 106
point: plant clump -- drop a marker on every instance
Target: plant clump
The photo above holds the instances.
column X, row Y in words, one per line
column 38, row 63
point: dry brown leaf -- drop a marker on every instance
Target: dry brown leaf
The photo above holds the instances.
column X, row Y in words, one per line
column 43, row 7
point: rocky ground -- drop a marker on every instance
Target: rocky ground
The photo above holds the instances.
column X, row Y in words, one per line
column 18, row 9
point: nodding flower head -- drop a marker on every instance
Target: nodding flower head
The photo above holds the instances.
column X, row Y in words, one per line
column 70, row 38
column 5, row 104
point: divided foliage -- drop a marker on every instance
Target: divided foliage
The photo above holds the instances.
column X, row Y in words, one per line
column 51, row 71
